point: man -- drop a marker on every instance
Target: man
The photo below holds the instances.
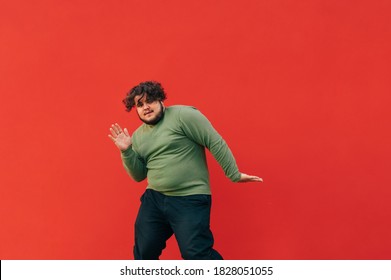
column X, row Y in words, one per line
column 169, row 150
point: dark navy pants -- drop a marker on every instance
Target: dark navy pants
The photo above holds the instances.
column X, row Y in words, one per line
column 187, row 217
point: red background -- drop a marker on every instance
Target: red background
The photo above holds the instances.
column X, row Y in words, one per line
column 300, row 90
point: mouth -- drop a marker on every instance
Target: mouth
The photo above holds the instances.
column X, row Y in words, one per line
column 148, row 113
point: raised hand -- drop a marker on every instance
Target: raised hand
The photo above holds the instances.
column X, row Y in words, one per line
column 121, row 138
column 244, row 178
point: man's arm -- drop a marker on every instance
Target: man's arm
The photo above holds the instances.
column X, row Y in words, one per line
column 133, row 164
column 198, row 128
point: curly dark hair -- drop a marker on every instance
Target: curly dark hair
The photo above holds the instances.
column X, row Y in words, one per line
column 153, row 89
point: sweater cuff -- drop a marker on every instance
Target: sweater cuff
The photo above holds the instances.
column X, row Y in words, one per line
column 128, row 152
column 236, row 177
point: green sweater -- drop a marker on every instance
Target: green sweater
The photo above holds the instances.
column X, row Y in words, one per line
column 171, row 154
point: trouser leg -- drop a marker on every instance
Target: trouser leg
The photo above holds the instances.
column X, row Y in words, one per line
column 189, row 218
column 151, row 228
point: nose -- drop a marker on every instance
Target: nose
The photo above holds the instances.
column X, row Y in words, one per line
column 145, row 106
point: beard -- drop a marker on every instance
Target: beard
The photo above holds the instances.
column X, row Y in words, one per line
column 157, row 118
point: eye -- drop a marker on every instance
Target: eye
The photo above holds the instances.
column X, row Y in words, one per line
column 139, row 104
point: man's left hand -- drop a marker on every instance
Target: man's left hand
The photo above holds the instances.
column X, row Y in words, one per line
column 244, row 178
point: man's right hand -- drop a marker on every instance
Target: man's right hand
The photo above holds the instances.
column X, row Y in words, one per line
column 121, row 138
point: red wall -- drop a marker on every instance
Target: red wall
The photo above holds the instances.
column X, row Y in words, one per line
column 300, row 90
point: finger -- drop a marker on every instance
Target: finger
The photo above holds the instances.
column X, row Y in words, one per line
column 126, row 132
column 251, row 178
column 115, row 129
column 115, row 134
column 112, row 138
column 256, row 179
column 119, row 129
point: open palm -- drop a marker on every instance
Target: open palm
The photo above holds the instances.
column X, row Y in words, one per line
column 121, row 138
column 244, row 178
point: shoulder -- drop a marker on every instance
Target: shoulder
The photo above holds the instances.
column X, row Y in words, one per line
column 189, row 115
column 181, row 112
column 180, row 108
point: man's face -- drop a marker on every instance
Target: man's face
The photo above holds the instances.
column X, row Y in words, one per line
column 150, row 112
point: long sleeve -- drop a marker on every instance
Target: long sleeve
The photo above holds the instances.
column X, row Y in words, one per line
column 134, row 165
column 198, row 128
